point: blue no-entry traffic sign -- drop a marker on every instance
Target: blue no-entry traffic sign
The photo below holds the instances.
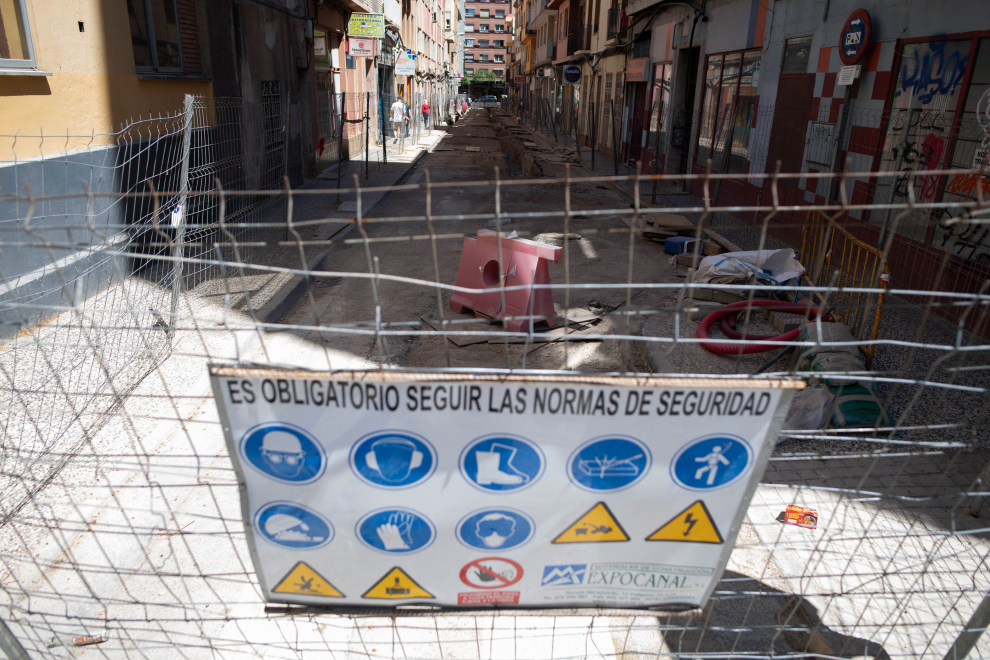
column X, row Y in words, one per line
column 293, row 526
column 393, row 459
column 500, row 463
column 283, row 452
column 396, row 531
column 495, row 528
column 611, row 462
column 712, row 462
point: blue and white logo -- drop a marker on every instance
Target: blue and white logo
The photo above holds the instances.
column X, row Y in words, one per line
column 283, row 452
column 494, row 528
column 396, row 531
column 393, row 459
column 612, row 462
column 501, row 463
column 293, row 526
column 564, row 575
column 712, row 462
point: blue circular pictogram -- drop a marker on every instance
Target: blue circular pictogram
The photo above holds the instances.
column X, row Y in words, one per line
column 854, row 37
column 292, row 526
column 712, row 462
column 396, row 531
column 502, row 463
column 495, row 529
column 609, row 463
column 393, row 459
column 283, row 452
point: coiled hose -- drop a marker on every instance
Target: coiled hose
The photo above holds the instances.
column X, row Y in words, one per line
column 727, row 316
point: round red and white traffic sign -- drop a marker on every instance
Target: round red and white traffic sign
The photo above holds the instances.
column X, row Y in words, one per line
column 491, row 573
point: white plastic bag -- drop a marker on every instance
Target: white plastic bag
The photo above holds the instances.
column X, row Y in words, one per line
column 811, row 408
column 774, row 267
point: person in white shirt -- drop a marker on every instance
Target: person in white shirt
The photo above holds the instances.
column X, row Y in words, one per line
column 398, row 112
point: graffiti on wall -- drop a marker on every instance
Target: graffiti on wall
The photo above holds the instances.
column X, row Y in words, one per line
column 916, row 141
column 983, row 118
column 930, row 69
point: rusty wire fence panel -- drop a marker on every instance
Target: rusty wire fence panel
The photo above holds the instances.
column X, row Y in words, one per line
column 122, row 518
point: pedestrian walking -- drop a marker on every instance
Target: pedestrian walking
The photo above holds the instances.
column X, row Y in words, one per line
column 464, row 107
column 407, row 115
column 426, row 114
column 397, row 112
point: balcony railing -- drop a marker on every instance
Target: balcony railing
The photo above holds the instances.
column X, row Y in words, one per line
column 579, row 40
column 616, row 21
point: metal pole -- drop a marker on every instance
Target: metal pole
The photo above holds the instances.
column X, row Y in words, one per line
column 552, row 121
column 180, row 232
column 615, row 151
column 10, row 645
column 726, row 152
column 833, row 186
column 577, row 139
column 971, row 633
column 340, row 142
column 367, row 130
column 381, row 120
column 593, row 136
column 656, row 150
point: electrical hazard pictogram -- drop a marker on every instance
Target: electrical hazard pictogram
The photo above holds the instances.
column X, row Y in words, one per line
column 304, row 581
column 598, row 525
column 396, row 585
column 692, row 525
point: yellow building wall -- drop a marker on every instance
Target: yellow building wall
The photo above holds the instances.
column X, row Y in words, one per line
column 93, row 86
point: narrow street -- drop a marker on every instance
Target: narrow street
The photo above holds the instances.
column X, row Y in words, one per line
column 471, row 151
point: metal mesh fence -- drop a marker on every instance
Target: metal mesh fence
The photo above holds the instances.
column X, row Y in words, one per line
column 121, row 525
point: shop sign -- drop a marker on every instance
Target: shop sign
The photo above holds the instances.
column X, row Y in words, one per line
column 404, row 65
column 855, row 37
column 636, row 69
column 361, row 47
column 366, row 25
column 572, row 74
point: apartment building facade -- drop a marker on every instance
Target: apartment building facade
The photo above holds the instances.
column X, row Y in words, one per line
column 485, row 40
column 748, row 84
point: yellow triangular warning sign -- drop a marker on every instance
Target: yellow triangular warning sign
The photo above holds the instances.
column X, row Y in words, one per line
column 304, row 581
column 598, row 525
column 692, row 525
column 396, row 584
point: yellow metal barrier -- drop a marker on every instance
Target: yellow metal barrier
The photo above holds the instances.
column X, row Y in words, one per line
column 827, row 249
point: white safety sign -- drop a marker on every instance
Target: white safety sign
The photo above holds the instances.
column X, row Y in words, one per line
column 389, row 489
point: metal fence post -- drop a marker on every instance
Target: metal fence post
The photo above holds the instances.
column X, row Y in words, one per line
column 340, row 140
column 553, row 122
column 367, row 130
column 656, row 150
column 180, row 231
column 10, row 645
column 593, row 137
column 615, row 148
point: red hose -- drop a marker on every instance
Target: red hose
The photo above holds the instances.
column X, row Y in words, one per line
column 728, row 312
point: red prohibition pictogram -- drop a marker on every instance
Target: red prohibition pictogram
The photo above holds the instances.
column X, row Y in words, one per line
column 491, row 573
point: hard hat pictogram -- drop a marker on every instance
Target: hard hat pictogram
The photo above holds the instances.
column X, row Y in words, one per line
column 292, row 525
column 692, row 525
column 597, row 525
